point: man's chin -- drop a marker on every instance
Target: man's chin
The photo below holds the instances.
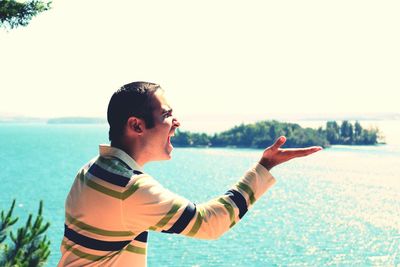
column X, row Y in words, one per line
column 168, row 154
column 164, row 157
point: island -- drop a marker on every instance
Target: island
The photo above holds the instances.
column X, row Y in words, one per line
column 262, row 134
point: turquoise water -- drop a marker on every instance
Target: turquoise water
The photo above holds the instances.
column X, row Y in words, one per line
column 339, row 207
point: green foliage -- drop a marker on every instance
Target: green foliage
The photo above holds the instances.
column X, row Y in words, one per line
column 333, row 132
column 6, row 222
column 29, row 246
column 263, row 134
column 191, row 139
column 257, row 135
column 14, row 13
column 347, row 134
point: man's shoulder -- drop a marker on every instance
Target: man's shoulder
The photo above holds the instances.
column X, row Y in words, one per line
column 88, row 164
column 112, row 170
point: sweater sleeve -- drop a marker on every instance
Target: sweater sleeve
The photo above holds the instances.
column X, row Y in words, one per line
column 155, row 208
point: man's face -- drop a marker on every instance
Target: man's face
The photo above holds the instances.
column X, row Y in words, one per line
column 158, row 143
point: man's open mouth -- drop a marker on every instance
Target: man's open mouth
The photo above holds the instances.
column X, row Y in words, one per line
column 169, row 137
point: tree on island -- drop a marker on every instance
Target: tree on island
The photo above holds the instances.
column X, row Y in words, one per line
column 262, row 134
column 333, row 132
column 256, row 135
column 347, row 134
column 14, row 13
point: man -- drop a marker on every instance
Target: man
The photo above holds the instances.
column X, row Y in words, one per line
column 113, row 203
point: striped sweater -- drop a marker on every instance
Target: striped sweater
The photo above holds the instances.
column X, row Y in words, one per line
column 113, row 204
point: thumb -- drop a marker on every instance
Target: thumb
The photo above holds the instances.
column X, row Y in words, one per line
column 279, row 142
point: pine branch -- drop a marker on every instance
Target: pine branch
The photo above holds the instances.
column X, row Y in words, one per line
column 6, row 222
column 30, row 246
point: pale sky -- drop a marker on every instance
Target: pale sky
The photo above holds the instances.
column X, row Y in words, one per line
column 211, row 57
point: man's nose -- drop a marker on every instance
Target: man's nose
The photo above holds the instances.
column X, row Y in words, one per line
column 176, row 122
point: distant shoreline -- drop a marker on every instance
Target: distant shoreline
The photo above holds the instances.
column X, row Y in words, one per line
column 238, row 118
column 61, row 120
column 76, row 120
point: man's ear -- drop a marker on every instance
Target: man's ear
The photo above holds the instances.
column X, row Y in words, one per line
column 135, row 125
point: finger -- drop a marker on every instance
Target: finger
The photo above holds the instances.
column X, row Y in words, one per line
column 301, row 152
column 279, row 142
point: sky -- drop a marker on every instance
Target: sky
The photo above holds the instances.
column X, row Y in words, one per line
column 213, row 58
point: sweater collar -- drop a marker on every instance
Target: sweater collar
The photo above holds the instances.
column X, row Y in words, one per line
column 109, row 151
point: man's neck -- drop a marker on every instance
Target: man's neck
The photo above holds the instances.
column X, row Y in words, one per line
column 130, row 150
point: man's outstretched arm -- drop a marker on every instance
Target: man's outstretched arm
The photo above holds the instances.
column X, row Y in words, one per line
column 213, row 215
column 160, row 210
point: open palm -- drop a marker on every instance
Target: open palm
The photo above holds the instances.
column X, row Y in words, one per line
column 275, row 155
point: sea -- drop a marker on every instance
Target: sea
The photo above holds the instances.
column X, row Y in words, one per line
column 338, row 207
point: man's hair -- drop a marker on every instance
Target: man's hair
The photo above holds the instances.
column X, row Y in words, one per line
column 132, row 99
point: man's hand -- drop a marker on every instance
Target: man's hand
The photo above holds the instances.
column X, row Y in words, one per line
column 275, row 155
